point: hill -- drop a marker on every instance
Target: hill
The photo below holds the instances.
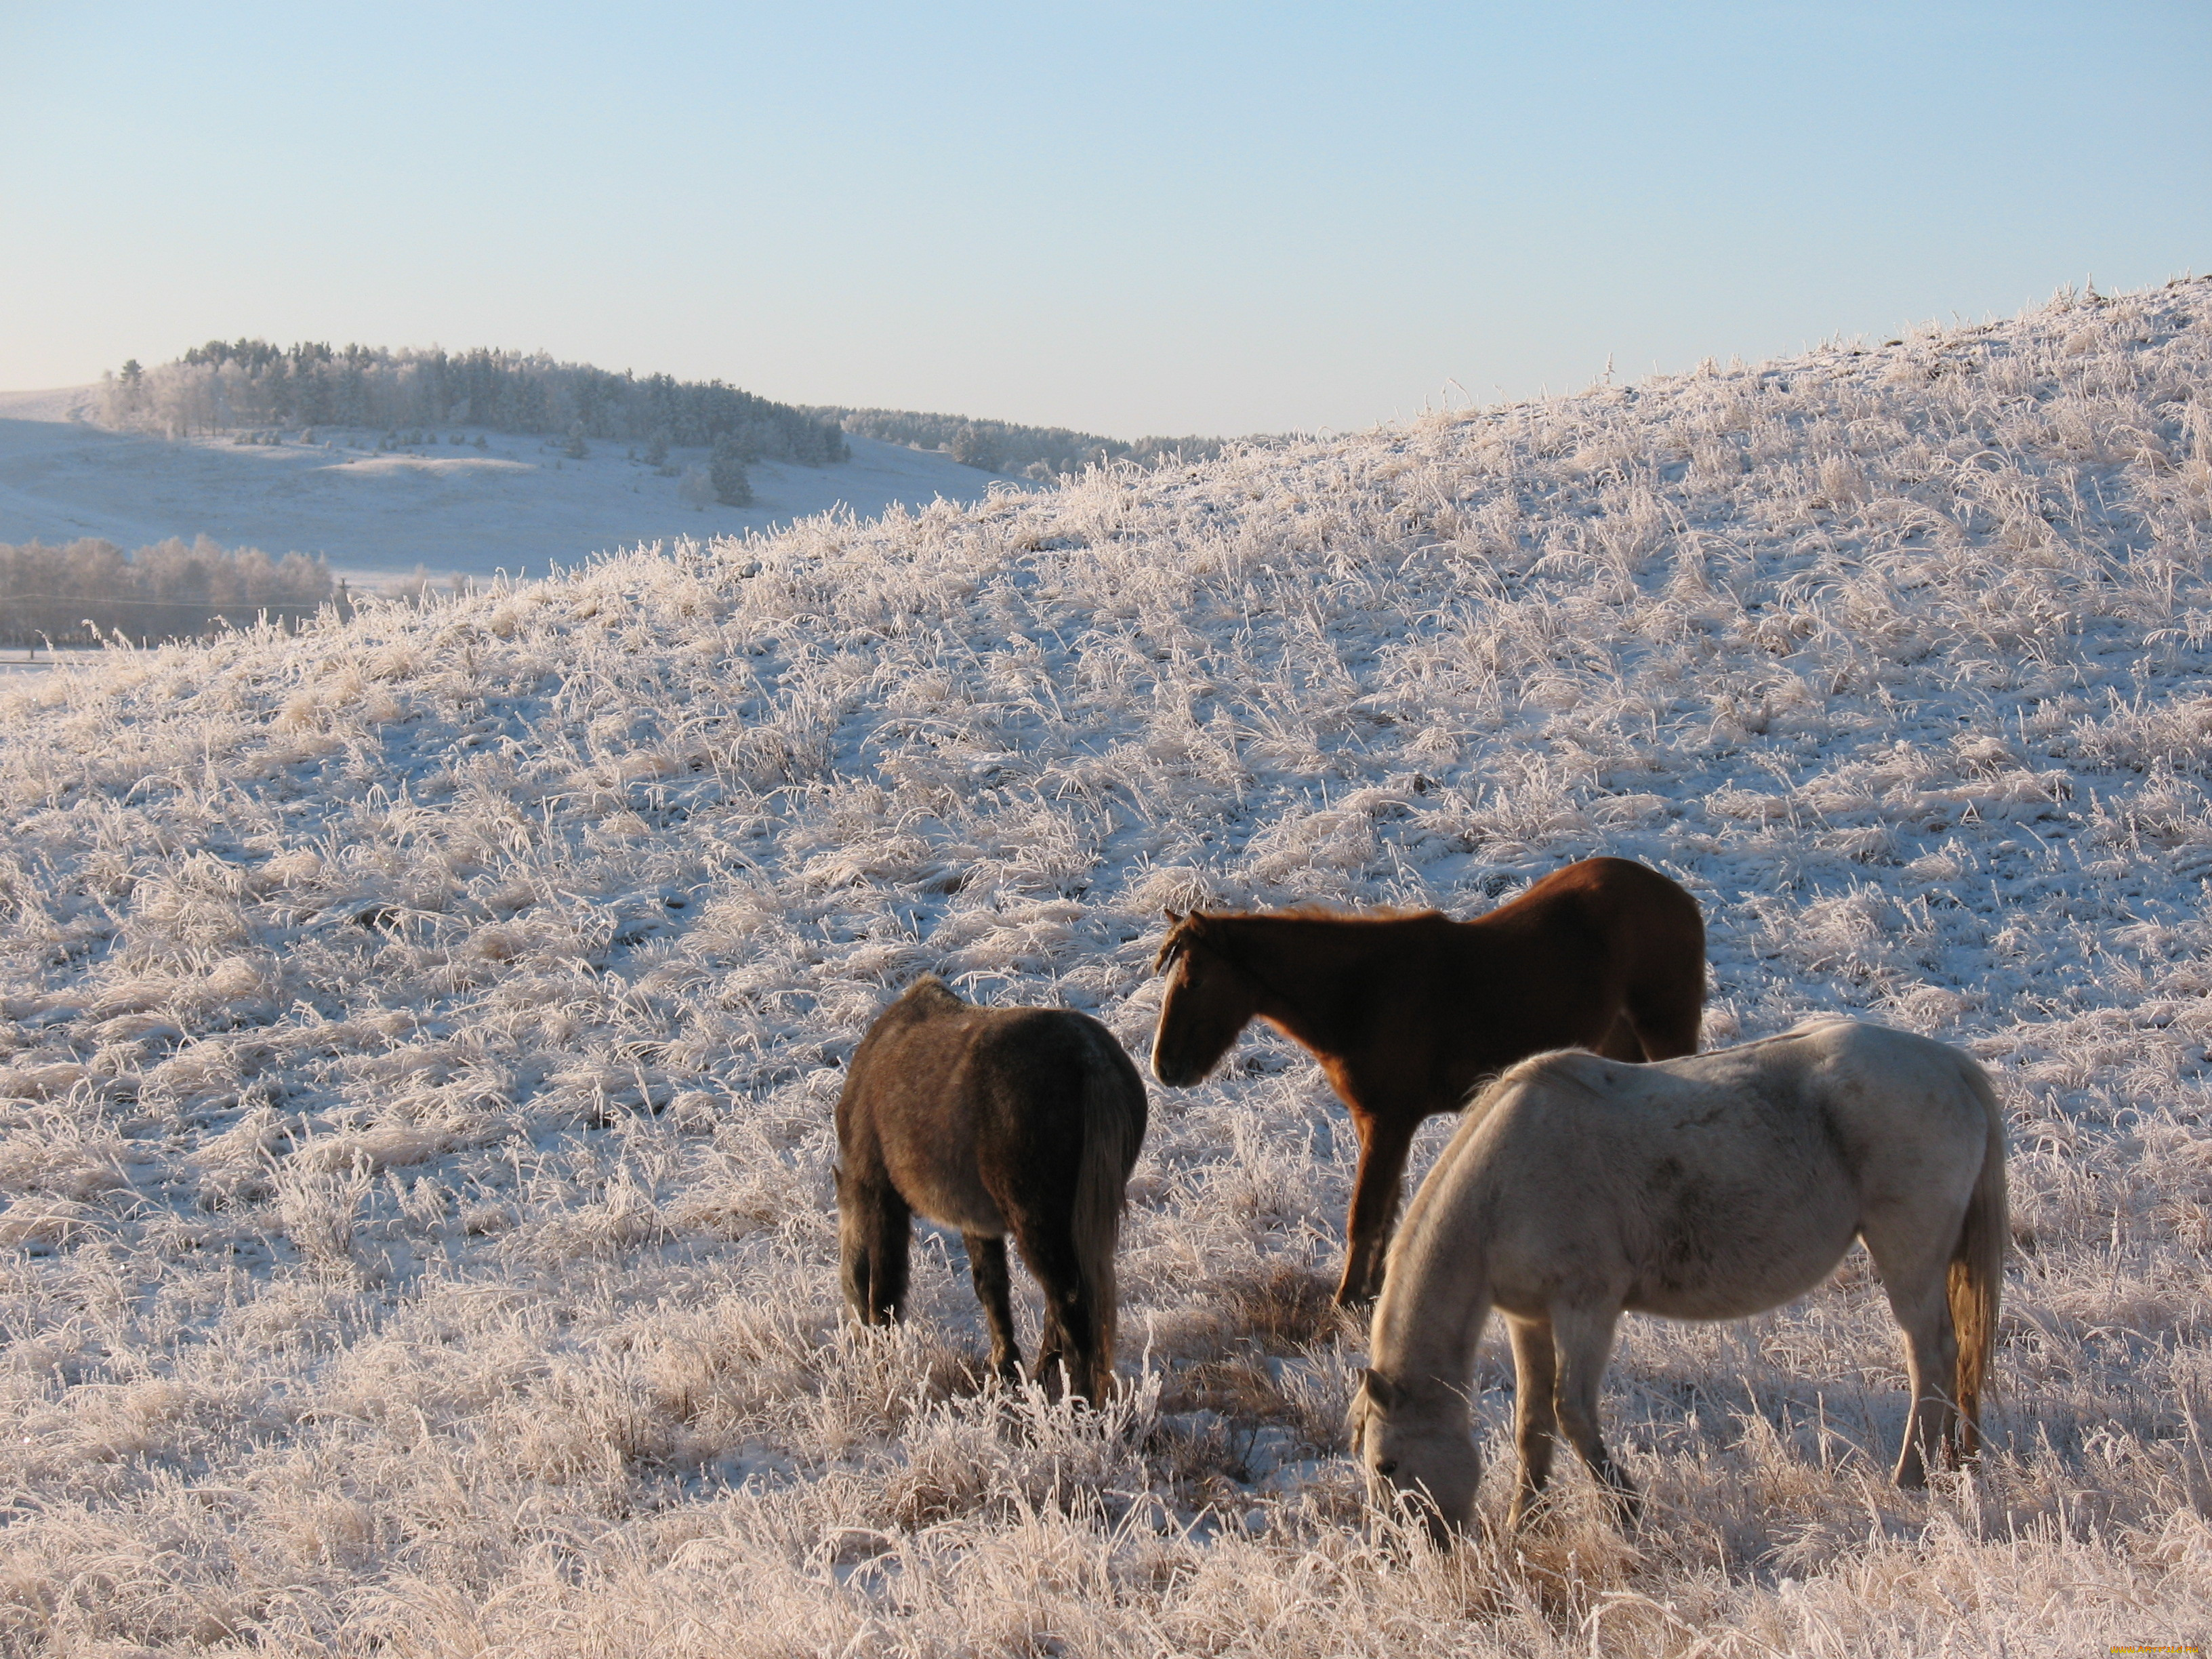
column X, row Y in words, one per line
column 385, row 504
column 421, row 1034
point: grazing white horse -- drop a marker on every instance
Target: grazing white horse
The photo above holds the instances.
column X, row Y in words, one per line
column 1711, row 1187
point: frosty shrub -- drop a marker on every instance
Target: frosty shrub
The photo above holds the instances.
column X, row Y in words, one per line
column 696, row 487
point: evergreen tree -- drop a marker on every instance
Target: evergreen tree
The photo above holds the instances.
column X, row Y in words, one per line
column 726, row 471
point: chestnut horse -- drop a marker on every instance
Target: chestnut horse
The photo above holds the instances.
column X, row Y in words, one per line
column 993, row 1120
column 1407, row 1013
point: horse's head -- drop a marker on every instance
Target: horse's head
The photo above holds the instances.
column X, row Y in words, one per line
column 1417, row 1444
column 1209, row 1001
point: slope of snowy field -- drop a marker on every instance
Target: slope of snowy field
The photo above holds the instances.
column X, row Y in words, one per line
column 420, row 1035
column 517, row 505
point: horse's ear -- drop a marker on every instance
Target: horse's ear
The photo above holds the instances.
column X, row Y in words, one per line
column 1173, row 921
column 1380, row 1388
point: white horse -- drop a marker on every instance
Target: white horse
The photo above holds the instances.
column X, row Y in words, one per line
column 1712, row 1186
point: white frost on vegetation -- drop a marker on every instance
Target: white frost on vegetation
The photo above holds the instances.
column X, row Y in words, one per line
column 420, row 1036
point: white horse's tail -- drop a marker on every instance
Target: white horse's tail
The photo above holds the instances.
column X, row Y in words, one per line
column 1114, row 1114
column 1976, row 1278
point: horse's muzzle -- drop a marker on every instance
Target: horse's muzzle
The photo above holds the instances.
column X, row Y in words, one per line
column 1177, row 1074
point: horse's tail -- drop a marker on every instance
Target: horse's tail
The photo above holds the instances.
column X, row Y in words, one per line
column 1114, row 1114
column 1977, row 1277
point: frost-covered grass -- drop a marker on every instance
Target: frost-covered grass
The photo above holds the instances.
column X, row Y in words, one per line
column 420, row 1036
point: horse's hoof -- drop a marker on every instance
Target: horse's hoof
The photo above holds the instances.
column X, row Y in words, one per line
column 1528, row 1507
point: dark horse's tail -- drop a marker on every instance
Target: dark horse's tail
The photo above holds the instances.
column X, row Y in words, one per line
column 1977, row 1277
column 1114, row 1113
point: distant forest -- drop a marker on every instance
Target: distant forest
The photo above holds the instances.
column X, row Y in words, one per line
column 226, row 385
column 1043, row 453
column 90, row 590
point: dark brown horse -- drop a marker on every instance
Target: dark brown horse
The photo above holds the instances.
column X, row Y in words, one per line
column 993, row 1120
column 1407, row 1013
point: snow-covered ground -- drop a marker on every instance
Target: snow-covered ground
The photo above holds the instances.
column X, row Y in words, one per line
column 518, row 504
column 21, row 660
column 421, row 1035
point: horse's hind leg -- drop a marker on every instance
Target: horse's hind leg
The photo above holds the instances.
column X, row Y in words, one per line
column 1536, row 1376
column 1070, row 1333
column 1621, row 1043
column 987, row 1265
column 874, row 1229
column 1915, row 1281
column 1665, row 1018
column 1583, row 1337
column 1931, row 1357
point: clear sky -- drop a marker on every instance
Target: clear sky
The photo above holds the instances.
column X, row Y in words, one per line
column 1130, row 219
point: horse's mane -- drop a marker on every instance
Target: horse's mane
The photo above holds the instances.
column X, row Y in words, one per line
column 1207, row 926
column 930, row 989
column 1323, row 911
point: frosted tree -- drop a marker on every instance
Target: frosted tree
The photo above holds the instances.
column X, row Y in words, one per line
column 725, row 471
column 90, row 589
column 973, row 446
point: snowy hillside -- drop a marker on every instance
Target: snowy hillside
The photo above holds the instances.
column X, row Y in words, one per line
column 516, row 504
column 424, row 1034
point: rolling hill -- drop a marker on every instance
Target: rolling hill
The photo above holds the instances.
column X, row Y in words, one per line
column 517, row 504
column 420, row 1034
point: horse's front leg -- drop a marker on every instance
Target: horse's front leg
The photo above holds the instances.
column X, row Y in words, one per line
column 1384, row 1140
column 1536, row 1378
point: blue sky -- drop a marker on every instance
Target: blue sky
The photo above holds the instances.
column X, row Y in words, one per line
column 1131, row 218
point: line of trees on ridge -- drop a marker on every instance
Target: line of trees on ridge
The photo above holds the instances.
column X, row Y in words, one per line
column 90, row 590
column 1043, row 453
column 226, row 384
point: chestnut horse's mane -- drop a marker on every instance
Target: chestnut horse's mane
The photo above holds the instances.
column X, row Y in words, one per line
column 1323, row 912
column 1201, row 926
